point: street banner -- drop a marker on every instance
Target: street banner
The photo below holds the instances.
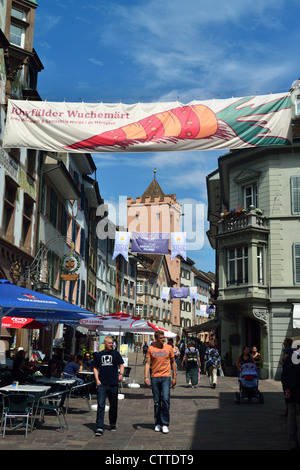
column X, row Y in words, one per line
column 122, row 241
column 179, row 292
column 203, row 311
column 211, row 309
column 178, row 244
column 151, row 243
column 252, row 121
column 193, row 293
column 165, row 292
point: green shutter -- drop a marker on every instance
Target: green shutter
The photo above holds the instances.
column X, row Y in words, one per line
column 295, row 194
column 296, row 256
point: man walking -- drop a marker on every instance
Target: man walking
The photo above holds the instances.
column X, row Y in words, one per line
column 160, row 357
column 107, row 377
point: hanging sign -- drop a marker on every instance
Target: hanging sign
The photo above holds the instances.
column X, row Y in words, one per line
column 122, row 241
column 200, row 125
column 178, row 244
column 152, row 243
column 179, row 292
column 69, row 265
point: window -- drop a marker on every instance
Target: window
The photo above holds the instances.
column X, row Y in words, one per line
column 139, row 309
column 295, row 194
column 296, row 258
column 260, row 275
column 10, row 197
column 31, row 160
column 297, row 106
column 139, row 287
column 237, row 265
column 53, row 208
column 17, row 35
column 250, row 196
column 27, row 219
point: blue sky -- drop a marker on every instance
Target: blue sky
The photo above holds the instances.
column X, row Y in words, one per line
column 169, row 50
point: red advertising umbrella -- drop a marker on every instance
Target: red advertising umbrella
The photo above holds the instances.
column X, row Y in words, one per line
column 114, row 322
column 19, row 322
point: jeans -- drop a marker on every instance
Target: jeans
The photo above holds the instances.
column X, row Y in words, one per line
column 110, row 391
column 161, row 396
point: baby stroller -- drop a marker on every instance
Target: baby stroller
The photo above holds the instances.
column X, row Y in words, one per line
column 248, row 383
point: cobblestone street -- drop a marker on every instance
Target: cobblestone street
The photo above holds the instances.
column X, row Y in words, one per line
column 201, row 419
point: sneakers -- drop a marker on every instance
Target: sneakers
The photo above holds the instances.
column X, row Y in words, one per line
column 159, row 428
column 99, row 432
column 113, row 427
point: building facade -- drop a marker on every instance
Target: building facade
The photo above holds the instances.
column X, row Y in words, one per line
column 254, row 210
column 19, row 168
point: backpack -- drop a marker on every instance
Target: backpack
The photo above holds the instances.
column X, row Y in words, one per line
column 192, row 357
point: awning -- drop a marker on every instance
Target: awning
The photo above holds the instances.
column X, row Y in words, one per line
column 296, row 316
column 206, row 326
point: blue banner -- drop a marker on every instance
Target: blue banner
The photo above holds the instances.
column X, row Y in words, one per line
column 152, row 243
column 179, row 292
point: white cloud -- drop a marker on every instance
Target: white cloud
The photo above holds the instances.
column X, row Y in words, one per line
column 95, row 61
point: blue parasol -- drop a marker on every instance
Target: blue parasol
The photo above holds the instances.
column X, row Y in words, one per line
column 25, row 303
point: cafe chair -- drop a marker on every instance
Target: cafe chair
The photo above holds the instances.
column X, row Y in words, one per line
column 53, row 402
column 17, row 405
column 82, row 391
column 126, row 377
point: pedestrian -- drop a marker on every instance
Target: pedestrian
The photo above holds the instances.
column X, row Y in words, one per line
column 256, row 356
column 176, row 354
column 87, row 362
column 145, row 349
column 192, row 364
column 244, row 358
column 286, row 352
column 107, row 376
column 213, row 363
column 71, row 369
column 160, row 357
column 290, row 379
column 182, row 348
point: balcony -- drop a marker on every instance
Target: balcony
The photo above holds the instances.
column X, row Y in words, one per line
column 242, row 220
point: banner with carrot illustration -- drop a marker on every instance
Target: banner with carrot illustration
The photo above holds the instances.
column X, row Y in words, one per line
column 253, row 121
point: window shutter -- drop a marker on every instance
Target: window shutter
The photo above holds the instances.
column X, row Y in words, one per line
column 295, row 194
column 296, row 252
column 145, row 309
column 82, row 242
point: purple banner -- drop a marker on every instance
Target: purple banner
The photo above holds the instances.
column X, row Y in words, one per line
column 179, row 292
column 178, row 244
column 122, row 240
column 156, row 243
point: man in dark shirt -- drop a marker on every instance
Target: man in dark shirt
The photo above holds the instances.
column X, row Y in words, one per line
column 107, row 377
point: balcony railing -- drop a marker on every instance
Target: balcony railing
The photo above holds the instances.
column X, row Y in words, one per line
column 250, row 220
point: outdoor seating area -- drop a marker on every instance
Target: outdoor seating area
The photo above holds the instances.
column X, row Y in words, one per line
column 27, row 405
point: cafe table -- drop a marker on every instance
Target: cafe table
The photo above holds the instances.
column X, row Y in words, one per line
column 86, row 375
column 54, row 380
column 31, row 389
column 27, row 388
